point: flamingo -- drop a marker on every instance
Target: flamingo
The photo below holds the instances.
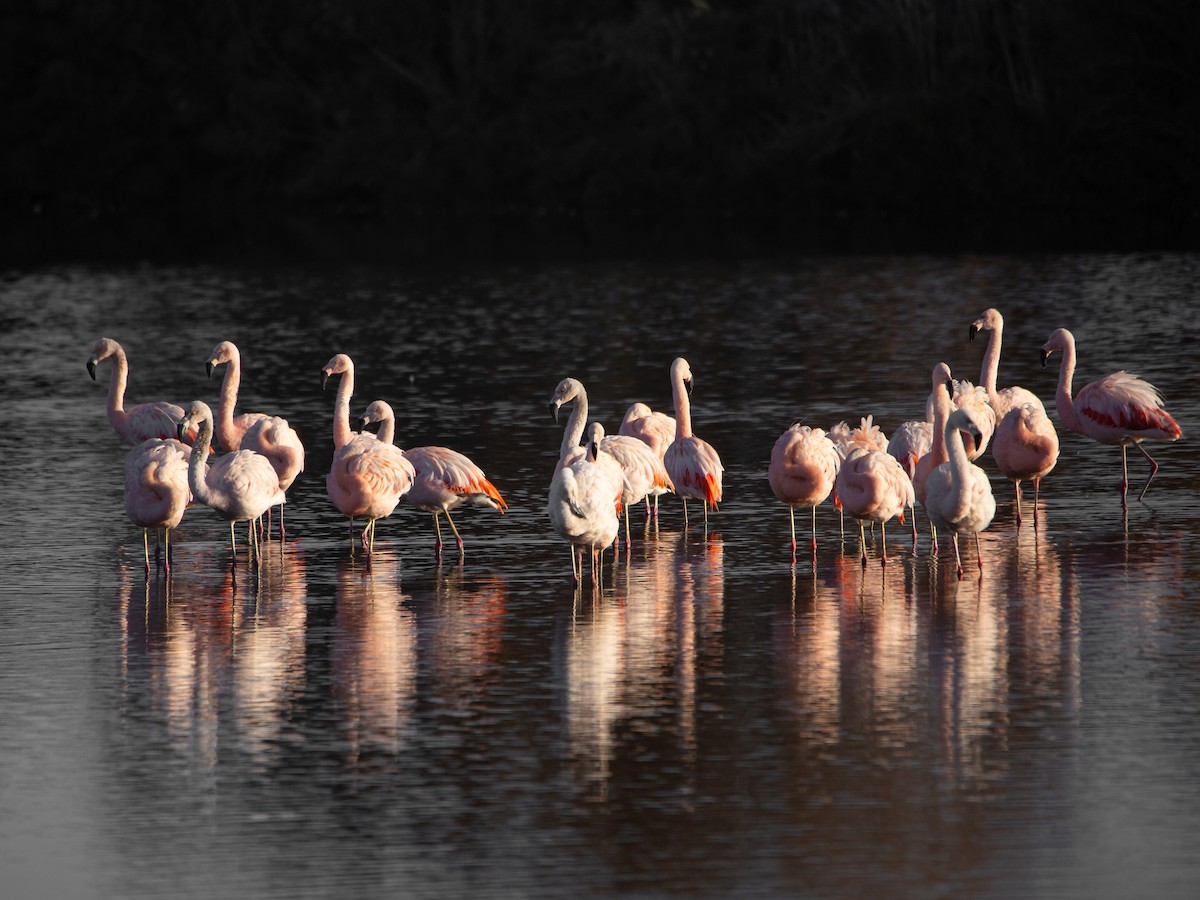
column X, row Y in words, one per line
column 655, row 429
column 957, row 494
column 445, row 478
column 804, row 464
column 156, row 490
column 693, row 464
column 844, row 439
column 240, row 486
column 270, row 436
column 643, row 473
column 1002, row 400
column 1117, row 409
column 940, row 392
column 368, row 476
column 141, row 422
column 585, row 492
column 909, row 442
column 1024, row 446
column 873, row 487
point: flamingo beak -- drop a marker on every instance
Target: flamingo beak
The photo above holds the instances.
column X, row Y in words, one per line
column 554, row 407
column 208, row 367
column 950, row 386
column 1045, row 356
column 181, row 428
column 972, row 331
column 688, row 384
column 91, row 366
column 324, row 378
column 362, row 424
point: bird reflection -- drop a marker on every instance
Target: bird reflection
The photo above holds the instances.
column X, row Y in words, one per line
column 373, row 658
column 462, row 632
column 632, row 658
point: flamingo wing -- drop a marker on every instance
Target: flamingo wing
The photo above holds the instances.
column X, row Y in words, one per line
column 1125, row 403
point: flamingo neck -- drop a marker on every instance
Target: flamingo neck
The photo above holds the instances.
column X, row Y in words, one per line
column 228, row 402
column 198, row 463
column 683, row 409
column 116, row 389
column 1062, row 398
column 991, row 363
column 941, row 412
column 387, row 428
column 957, row 457
column 574, row 430
column 342, row 432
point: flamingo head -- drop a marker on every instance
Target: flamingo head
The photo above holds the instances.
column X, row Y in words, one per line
column 991, row 320
column 962, row 420
column 681, row 371
column 378, row 411
column 101, row 350
column 199, row 416
column 568, row 389
column 1059, row 339
column 224, row 352
column 339, row 364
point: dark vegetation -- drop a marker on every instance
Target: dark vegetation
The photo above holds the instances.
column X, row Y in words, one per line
column 803, row 107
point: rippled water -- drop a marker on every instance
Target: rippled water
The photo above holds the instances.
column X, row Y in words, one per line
column 714, row 721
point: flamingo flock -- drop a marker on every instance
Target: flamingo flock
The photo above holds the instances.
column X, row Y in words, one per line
column 242, row 465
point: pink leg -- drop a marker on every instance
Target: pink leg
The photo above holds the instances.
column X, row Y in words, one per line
column 862, row 542
column 978, row 554
column 814, row 532
column 1153, row 469
column 957, row 558
column 792, row 516
column 1037, row 483
column 883, row 536
column 1018, row 487
column 1124, row 475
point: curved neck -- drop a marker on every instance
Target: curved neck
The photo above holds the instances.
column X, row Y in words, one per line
column 683, row 408
column 198, row 463
column 957, row 456
column 387, row 428
column 1062, row 398
column 116, row 388
column 228, row 401
column 574, row 430
column 991, row 362
column 342, row 432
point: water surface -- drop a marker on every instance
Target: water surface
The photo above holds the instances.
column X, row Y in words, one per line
column 713, row 720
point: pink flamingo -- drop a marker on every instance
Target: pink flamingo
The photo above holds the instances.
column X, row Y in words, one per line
column 156, row 491
column 974, row 399
column 873, row 487
column 445, row 479
column 909, row 442
column 270, row 436
column 693, row 464
column 1001, row 400
column 844, row 439
column 240, row 486
column 643, row 474
column 1025, row 446
column 655, row 429
column 1117, row 409
column 139, row 423
column 368, row 476
column 804, row 464
column 958, row 496
column 940, row 392
column 585, row 492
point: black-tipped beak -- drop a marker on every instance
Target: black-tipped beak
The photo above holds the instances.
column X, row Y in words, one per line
column 91, row 364
column 554, row 407
column 209, row 366
column 181, row 429
column 972, row 331
column 1045, row 357
column 324, row 379
column 687, row 382
column 362, row 425
column 593, row 451
column 950, row 386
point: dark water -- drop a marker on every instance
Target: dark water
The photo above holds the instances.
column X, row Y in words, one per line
column 715, row 721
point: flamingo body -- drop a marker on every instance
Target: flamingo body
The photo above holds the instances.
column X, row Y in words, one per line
column 692, row 463
column 958, row 495
column 803, row 467
column 1025, row 446
column 909, row 442
column 156, row 487
column 655, row 429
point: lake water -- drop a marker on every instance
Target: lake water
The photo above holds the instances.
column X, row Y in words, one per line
column 715, row 720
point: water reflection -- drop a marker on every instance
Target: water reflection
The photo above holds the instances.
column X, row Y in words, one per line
column 373, row 659
column 633, row 656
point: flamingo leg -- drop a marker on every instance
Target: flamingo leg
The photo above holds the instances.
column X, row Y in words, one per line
column 146, row 550
column 814, row 534
column 1017, row 484
column 656, row 507
column 1153, row 469
column 883, row 535
column 913, row 514
column 862, row 543
column 626, row 528
column 281, row 531
column 438, row 529
column 1037, row 483
column 167, row 550
column 933, row 547
column 1124, row 475
column 457, row 537
column 576, row 570
column 792, row 515
column 685, row 518
column 978, row 554
column 706, row 517
column 957, row 558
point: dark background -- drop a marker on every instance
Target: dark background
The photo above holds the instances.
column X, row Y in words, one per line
column 1025, row 118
